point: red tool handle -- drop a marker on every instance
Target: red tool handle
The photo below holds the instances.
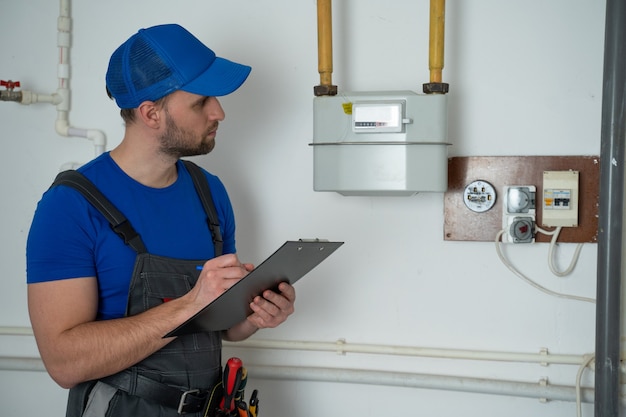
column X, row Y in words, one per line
column 231, row 380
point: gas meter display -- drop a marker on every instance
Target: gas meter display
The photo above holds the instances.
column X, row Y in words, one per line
column 377, row 117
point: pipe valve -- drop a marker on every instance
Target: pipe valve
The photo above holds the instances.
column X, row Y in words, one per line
column 9, row 94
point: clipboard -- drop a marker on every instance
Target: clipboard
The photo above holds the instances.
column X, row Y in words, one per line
column 289, row 263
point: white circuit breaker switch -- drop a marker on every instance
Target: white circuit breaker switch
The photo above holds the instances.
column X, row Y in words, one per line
column 560, row 198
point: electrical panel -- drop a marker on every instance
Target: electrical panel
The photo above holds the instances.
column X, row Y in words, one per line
column 567, row 196
column 560, row 198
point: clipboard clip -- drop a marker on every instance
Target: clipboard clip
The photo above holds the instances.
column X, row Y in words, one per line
column 313, row 240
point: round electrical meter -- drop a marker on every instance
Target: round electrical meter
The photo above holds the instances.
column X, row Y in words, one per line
column 479, row 196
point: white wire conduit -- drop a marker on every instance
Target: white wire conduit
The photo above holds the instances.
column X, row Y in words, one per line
column 14, row 363
column 541, row 390
column 342, row 347
column 15, row 331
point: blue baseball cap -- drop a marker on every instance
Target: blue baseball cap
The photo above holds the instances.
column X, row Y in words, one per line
column 159, row 60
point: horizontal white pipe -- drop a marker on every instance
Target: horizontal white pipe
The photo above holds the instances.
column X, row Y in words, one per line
column 342, row 347
column 10, row 363
column 29, row 97
column 542, row 391
column 15, row 331
column 97, row 136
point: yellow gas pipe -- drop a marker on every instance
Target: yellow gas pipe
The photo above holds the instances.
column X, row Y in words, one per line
column 325, row 49
column 437, row 26
column 436, row 47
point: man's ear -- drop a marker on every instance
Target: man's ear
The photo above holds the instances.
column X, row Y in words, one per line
column 150, row 114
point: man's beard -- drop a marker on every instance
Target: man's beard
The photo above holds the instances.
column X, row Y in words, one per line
column 178, row 142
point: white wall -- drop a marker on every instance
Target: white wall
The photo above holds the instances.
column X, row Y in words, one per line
column 525, row 79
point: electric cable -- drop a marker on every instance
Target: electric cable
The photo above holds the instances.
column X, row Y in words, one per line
column 581, row 369
column 555, row 235
column 512, row 268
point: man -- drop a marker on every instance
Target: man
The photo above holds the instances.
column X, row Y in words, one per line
column 100, row 306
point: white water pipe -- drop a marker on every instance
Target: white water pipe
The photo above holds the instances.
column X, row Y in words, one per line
column 541, row 390
column 15, row 331
column 342, row 347
column 64, row 28
column 11, row 363
column 61, row 98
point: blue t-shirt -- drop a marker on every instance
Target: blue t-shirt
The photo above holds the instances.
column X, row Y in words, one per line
column 69, row 238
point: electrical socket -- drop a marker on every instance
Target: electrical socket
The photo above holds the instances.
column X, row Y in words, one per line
column 520, row 229
column 519, row 214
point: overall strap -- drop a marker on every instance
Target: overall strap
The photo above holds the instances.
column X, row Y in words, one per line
column 204, row 191
column 119, row 223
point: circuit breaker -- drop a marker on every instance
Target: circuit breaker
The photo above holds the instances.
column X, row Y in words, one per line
column 560, row 198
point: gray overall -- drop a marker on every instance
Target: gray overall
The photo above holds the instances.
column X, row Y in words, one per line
column 178, row 378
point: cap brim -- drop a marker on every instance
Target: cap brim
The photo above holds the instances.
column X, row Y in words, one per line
column 222, row 78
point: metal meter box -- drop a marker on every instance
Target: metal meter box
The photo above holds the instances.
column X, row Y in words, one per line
column 380, row 143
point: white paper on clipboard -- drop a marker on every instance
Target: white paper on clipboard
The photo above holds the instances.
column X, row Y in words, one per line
column 289, row 263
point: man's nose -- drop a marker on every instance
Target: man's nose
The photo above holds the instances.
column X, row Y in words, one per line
column 216, row 112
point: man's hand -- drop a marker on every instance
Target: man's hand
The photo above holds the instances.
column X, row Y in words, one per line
column 269, row 310
column 272, row 309
column 217, row 276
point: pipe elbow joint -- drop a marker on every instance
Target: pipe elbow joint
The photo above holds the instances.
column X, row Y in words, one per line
column 97, row 136
column 62, row 127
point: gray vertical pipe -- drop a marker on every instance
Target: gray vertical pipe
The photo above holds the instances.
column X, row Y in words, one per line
column 613, row 136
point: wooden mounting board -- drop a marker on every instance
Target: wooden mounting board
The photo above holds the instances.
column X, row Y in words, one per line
column 462, row 224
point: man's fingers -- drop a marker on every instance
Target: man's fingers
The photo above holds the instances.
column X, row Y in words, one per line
column 223, row 261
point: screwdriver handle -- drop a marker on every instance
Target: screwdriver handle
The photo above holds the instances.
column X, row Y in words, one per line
column 231, row 380
column 253, row 408
column 239, row 395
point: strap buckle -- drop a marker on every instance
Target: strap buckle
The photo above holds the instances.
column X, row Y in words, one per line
column 183, row 398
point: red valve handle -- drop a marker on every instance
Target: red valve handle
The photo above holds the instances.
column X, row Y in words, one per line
column 10, row 85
